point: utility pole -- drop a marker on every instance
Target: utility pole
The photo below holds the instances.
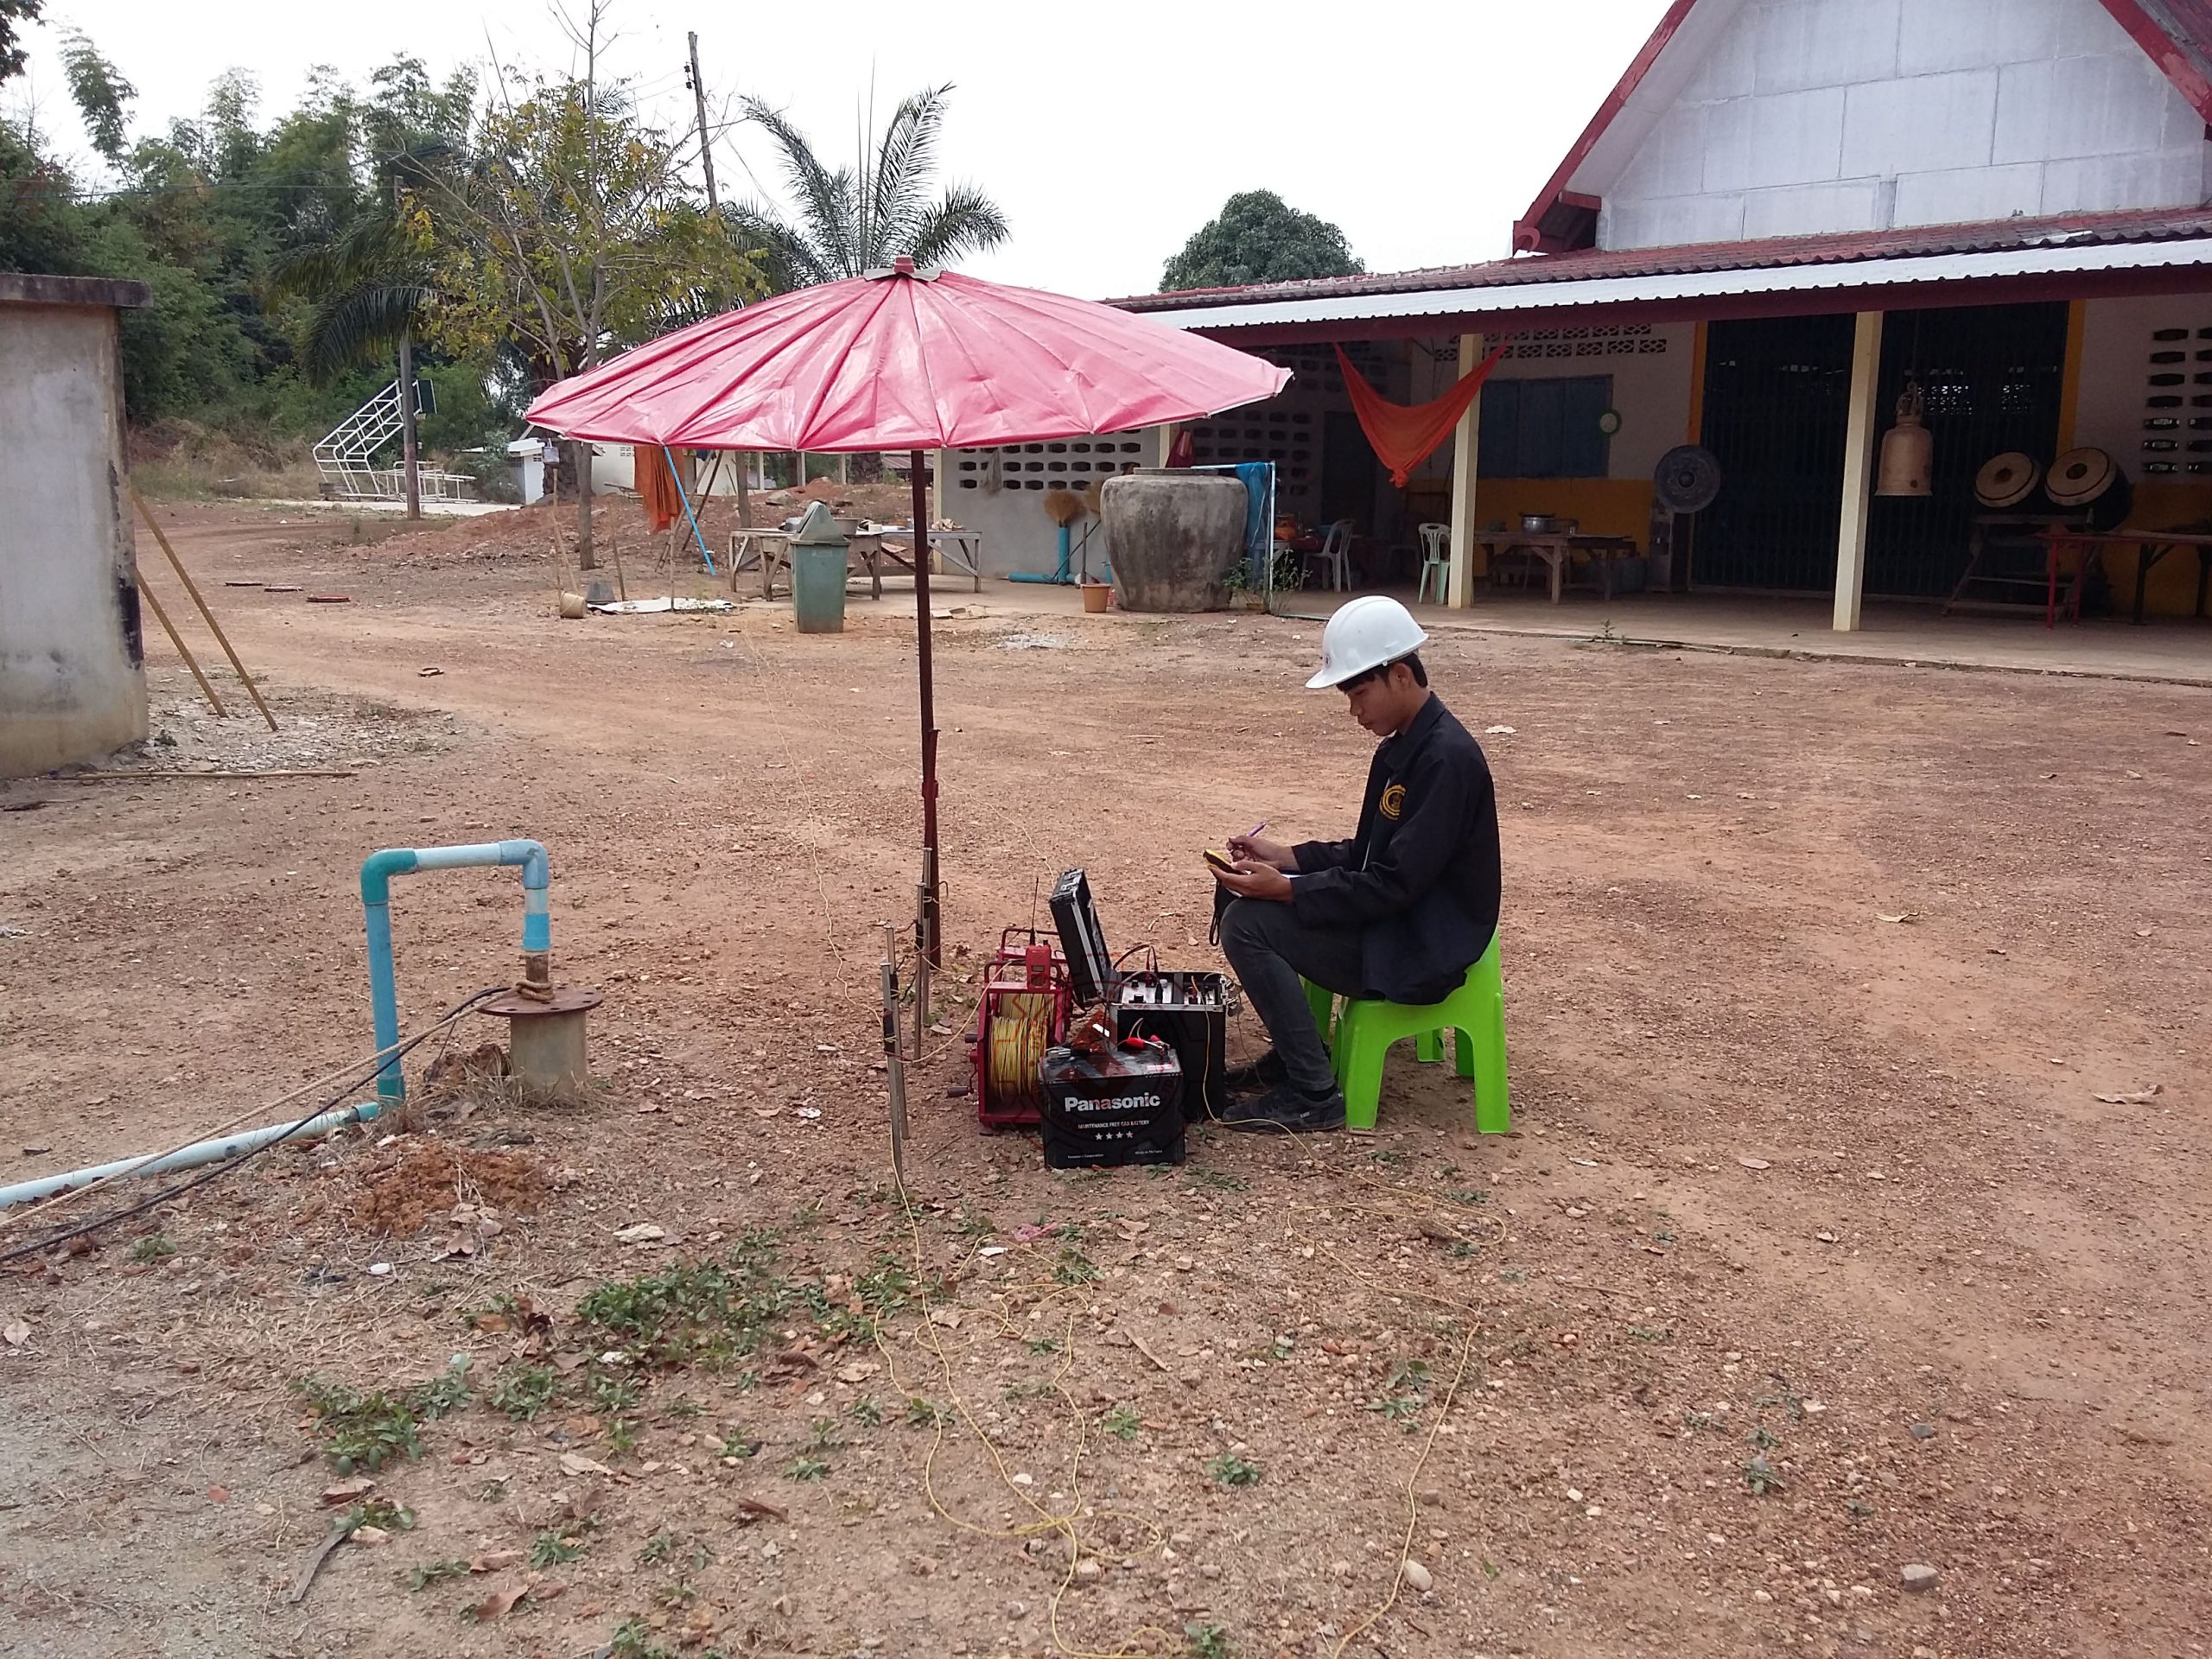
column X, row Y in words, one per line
column 410, row 459
column 410, row 463
column 706, row 144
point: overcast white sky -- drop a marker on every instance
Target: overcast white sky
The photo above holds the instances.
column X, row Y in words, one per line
column 1108, row 134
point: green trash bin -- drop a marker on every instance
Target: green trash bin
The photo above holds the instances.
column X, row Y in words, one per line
column 818, row 588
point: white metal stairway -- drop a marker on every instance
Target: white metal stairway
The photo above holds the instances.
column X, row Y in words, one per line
column 347, row 458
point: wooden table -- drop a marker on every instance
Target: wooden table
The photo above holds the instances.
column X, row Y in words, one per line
column 1557, row 551
column 1996, row 534
column 2150, row 546
column 770, row 547
column 962, row 549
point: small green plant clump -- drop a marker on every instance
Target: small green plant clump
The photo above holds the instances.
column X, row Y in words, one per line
column 360, row 1430
column 693, row 1310
column 378, row 1512
column 522, row 1391
column 155, row 1247
column 1207, row 1642
column 632, row 1639
column 442, row 1395
column 924, row 1414
column 1122, row 1423
column 1232, row 1471
column 1760, row 1477
column 1074, row 1268
column 430, row 1572
column 1221, row 1180
column 560, row 1545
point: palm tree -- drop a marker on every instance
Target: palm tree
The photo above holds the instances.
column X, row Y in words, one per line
column 371, row 284
column 859, row 218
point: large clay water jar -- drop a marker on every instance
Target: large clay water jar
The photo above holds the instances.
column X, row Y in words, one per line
column 1172, row 535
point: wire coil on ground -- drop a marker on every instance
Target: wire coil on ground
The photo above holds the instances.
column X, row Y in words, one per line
column 1021, row 1030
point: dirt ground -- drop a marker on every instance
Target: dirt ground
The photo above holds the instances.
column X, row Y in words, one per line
column 1814, row 1254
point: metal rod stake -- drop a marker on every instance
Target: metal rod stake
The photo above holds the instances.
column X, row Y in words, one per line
column 894, row 1060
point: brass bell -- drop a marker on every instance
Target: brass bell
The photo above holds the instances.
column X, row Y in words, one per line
column 1908, row 451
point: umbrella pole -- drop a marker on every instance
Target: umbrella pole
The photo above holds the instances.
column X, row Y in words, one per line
column 925, row 924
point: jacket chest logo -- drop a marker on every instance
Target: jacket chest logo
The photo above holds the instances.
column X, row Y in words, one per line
column 1393, row 803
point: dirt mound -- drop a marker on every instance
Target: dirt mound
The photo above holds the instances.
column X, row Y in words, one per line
column 411, row 1185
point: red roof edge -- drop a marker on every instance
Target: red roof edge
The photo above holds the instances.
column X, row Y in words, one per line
column 1529, row 234
column 2179, row 45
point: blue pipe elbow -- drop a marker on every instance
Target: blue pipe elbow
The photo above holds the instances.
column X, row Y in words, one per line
column 377, row 871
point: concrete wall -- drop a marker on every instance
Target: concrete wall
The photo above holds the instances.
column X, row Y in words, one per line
column 2110, row 406
column 1811, row 116
column 72, row 684
column 1001, row 492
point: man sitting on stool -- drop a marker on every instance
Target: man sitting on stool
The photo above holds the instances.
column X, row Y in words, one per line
column 1400, row 911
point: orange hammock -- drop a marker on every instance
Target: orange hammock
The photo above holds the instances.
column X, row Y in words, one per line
column 1405, row 436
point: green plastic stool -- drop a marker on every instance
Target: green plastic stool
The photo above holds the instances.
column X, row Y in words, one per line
column 1476, row 1012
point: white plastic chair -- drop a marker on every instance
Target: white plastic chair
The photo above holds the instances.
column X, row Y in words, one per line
column 1436, row 559
column 1332, row 559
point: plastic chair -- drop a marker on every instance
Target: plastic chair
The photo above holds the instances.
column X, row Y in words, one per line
column 1475, row 1013
column 1435, row 558
column 1332, row 557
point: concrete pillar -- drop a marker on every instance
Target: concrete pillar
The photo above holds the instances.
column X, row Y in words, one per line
column 1466, row 444
column 1858, row 470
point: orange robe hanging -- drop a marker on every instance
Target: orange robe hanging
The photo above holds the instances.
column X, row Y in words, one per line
column 656, row 484
column 1404, row 436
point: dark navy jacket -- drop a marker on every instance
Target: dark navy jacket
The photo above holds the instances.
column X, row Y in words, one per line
column 1421, row 880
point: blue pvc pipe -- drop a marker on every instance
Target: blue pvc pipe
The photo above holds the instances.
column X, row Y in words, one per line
column 1061, row 577
column 377, row 871
column 683, row 496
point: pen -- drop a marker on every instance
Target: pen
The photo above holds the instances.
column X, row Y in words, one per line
column 1256, row 829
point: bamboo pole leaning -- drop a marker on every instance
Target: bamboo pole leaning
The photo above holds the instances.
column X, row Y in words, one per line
column 193, row 588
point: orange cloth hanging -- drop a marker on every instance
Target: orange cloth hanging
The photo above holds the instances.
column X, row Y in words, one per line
column 657, row 485
column 1404, row 436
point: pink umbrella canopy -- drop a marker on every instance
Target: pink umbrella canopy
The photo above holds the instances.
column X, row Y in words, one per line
column 905, row 359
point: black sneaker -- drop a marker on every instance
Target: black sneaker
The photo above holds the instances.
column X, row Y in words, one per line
column 1287, row 1110
column 1255, row 1075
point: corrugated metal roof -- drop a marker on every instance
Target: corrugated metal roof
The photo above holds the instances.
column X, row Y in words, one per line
column 1597, row 279
column 1784, row 253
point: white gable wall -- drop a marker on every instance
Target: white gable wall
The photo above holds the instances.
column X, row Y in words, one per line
column 1798, row 117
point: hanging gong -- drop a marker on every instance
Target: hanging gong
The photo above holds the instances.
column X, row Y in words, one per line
column 1686, row 478
column 2080, row 476
column 2005, row 480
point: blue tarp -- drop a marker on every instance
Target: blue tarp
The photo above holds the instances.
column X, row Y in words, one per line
column 1258, row 478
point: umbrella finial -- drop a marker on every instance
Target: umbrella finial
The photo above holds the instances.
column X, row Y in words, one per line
column 904, row 265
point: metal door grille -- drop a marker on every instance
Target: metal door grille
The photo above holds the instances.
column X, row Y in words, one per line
column 1777, row 391
column 1991, row 378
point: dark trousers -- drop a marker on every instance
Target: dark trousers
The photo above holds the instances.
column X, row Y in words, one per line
column 1271, row 950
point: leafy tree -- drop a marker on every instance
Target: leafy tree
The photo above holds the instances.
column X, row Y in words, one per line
column 861, row 218
column 14, row 14
column 1258, row 238
column 569, row 229
column 100, row 93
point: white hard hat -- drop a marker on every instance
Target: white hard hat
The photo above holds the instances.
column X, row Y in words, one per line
column 1365, row 633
